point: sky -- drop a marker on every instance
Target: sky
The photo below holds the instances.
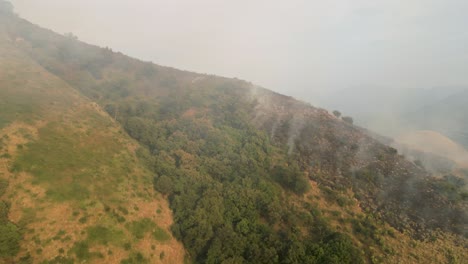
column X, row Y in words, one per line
column 308, row 49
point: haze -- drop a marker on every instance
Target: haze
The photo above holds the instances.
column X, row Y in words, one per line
column 312, row 50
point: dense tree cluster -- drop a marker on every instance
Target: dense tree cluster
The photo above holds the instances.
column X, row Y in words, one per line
column 225, row 181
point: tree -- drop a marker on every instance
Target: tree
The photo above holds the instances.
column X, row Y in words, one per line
column 338, row 248
column 337, row 113
column 163, row 185
column 348, row 119
column 291, row 178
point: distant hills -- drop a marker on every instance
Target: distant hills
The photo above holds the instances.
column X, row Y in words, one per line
column 394, row 111
column 448, row 116
column 436, row 151
column 109, row 159
column 399, row 113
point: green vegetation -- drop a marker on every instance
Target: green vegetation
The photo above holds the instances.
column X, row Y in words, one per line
column 104, row 235
column 135, row 258
column 161, row 235
column 81, row 250
column 236, row 173
column 13, row 107
column 68, row 167
column 141, row 227
column 9, row 233
column 222, row 182
column 3, row 186
column 291, row 178
column 3, row 212
column 60, row 260
column 9, row 240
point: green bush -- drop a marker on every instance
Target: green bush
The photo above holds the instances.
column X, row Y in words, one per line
column 291, row 178
column 135, row 258
column 161, row 235
column 81, row 250
column 9, row 240
column 339, row 249
column 163, row 184
column 141, row 227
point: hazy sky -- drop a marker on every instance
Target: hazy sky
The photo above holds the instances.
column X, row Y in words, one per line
column 300, row 48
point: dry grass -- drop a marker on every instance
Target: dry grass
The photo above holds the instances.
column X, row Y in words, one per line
column 51, row 225
column 435, row 143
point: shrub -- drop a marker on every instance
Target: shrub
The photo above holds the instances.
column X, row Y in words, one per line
column 337, row 113
column 163, row 185
column 141, row 227
column 291, row 178
column 81, row 250
column 339, row 249
column 135, row 258
column 161, row 235
column 9, row 240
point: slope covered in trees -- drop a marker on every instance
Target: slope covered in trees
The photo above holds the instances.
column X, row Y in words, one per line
column 251, row 176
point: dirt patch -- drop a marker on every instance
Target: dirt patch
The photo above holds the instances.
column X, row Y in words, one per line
column 52, row 228
column 171, row 251
column 190, row 113
column 17, row 134
column 26, row 195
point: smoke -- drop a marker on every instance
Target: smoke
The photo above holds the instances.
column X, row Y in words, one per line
column 316, row 47
column 296, row 125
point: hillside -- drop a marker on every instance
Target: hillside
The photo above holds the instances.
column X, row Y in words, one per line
column 70, row 181
column 250, row 176
column 447, row 116
column 434, row 143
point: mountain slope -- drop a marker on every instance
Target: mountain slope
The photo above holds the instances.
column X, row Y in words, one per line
column 73, row 186
column 251, row 176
